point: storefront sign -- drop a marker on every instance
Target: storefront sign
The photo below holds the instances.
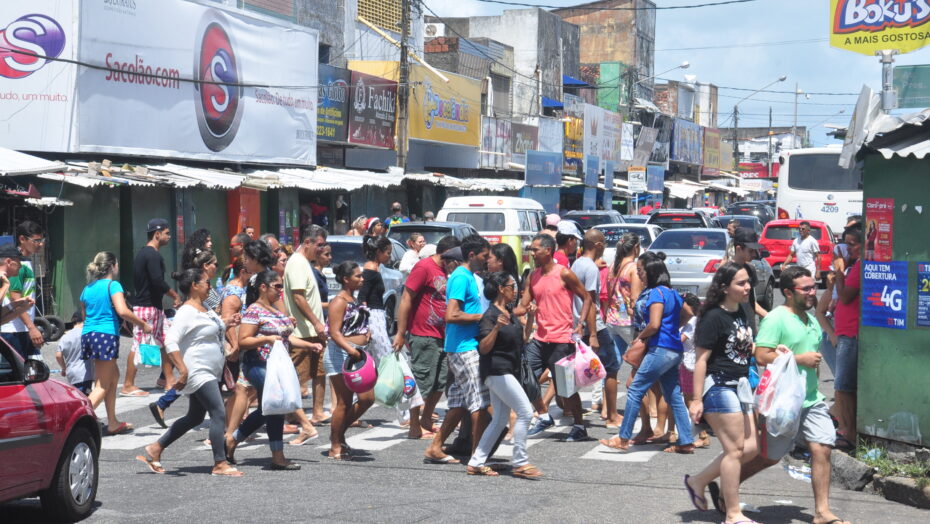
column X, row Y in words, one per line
column 37, row 94
column 636, row 177
column 867, row 26
column 644, row 145
column 923, row 294
column 523, row 138
column 627, row 146
column 495, row 150
column 712, row 164
column 613, row 134
column 551, row 132
column 660, row 150
column 592, row 169
column 371, row 113
column 573, row 141
column 145, row 103
column 687, row 143
column 655, row 179
column 543, row 168
column 332, row 103
column 879, row 229
column 448, row 112
column 884, row 293
column 609, row 167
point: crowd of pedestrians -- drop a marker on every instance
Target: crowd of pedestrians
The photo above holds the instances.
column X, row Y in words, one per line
column 472, row 328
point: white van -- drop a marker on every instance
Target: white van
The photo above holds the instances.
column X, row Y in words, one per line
column 511, row 220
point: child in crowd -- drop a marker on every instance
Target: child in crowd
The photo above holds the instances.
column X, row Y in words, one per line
column 76, row 370
column 686, row 369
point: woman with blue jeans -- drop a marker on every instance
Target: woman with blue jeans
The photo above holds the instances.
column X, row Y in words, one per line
column 661, row 312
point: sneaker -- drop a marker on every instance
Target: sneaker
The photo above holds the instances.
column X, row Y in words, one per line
column 577, row 435
column 541, row 424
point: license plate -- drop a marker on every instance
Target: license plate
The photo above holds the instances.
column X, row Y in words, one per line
column 686, row 289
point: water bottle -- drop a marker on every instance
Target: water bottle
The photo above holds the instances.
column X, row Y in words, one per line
column 219, row 284
column 802, row 472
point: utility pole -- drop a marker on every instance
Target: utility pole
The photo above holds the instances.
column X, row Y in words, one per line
column 770, row 143
column 631, row 74
column 736, row 137
column 889, row 98
column 403, row 95
column 794, row 126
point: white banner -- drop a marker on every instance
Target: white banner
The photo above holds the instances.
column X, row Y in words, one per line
column 187, row 80
column 551, row 132
column 37, row 94
column 594, row 131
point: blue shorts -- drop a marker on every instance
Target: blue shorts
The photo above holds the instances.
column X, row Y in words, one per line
column 99, row 346
column 334, row 358
column 721, row 399
column 847, row 360
column 608, row 353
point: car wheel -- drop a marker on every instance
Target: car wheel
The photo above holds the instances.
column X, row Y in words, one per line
column 71, row 495
column 58, row 326
column 768, row 297
column 389, row 317
column 44, row 327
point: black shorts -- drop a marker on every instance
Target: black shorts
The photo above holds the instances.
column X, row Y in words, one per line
column 552, row 352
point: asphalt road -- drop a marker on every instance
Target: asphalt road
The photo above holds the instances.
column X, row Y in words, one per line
column 584, row 482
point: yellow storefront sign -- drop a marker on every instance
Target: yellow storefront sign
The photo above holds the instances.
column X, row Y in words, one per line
column 867, row 26
column 440, row 111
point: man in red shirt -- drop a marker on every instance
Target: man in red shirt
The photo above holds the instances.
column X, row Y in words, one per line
column 846, row 326
column 422, row 310
column 567, row 238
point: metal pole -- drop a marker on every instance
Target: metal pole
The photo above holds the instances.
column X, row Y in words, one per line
column 736, row 138
column 770, row 141
column 794, row 127
column 889, row 98
column 403, row 88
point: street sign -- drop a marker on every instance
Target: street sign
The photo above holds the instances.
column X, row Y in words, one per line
column 912, row 84
column 637, row 179
column 867, row 26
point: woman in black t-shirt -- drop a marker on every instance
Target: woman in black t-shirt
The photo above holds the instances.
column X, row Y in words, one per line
column 500, row 338
column 723, row 341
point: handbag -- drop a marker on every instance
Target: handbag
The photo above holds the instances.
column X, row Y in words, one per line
column 528, row 378
column 635, row 354
column 150, row 354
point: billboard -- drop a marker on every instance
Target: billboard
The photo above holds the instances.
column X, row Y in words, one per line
column 573, row 140
column 655, row 179
column 660, row 149
column 332, row 103
column 495, row 143
column 523, row 138
column 543, row 168
column 627, row 145
column 551, row 132
column 613, row 133
column 373, row 105
column 867, row 26
column 37, row 94
column 187, row 80
column 594, row 135
column 712, row 160
column 687, row 143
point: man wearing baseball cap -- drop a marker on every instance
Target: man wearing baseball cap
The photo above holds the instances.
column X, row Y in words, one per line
column 552, row 223
column 745, row 249
column 10, row 263
column 567, row 238
column 148, row 275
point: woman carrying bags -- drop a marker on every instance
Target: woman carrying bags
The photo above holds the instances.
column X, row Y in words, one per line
column 349, row 335
column 501, row 341
column 104, row 305
column 197, row 331
column 722, row 394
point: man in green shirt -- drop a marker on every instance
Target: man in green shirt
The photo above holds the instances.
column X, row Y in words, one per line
column 22, row 333
column 793, row 328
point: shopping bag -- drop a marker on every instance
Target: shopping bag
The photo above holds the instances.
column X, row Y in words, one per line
column 281, row 393
column 588, row 367
column 565, row 376
column 411, row 397
column 150, row 354
column 780, row 396
column 389, row 388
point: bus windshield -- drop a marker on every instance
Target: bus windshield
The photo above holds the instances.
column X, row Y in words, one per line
column 820, row 172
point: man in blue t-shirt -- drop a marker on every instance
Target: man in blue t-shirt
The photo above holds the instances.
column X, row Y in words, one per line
column 467, row 392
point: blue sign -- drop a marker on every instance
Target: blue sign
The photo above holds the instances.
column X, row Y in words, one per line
column 884, row 294
column 655, row 179
column 589, row 199
column 923, row 294
column 592, row 168
column 543, row 168
column 609, row 168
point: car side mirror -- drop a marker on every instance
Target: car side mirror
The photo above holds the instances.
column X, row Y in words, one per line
column 35, row 371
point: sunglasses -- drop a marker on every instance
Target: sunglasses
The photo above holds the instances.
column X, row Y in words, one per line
column 806, row 289
column 278, row 285
column 39, row 240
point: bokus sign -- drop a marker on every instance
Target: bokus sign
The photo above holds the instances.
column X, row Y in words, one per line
column 867, row 26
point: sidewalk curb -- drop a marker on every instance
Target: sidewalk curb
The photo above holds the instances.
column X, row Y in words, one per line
column 855, row 475
column 849, row 472
column 903, row 490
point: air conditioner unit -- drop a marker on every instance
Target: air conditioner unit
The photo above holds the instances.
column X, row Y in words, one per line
column 433, row 30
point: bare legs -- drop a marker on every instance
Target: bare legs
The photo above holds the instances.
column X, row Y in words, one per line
column 737, row 434
column 107, row 373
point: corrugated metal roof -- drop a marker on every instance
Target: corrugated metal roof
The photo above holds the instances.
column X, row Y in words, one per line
column 15, row 163
column 468, row 184
column 211, row 178
column 901, row 136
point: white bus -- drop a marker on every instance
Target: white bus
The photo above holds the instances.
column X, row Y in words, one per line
column 812, row 186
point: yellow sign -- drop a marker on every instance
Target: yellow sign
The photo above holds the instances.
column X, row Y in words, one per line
column 867, row 26
column 440, row 111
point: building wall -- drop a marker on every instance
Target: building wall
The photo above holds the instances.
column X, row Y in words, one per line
column 893, row 363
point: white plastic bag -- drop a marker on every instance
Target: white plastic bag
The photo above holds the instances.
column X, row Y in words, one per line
column 281, row 394
column 780, row 396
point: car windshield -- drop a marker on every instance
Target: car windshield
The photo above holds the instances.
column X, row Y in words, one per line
column 703, row 240
column 345, row 251
column 589, row 220
column 612, row 235
column 788, row 232
column 431, row 235
column 480, row 221
column 673, row 221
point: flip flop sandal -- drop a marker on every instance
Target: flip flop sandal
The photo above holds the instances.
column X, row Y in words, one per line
column 136, row 393
column 122, row 429
column 483, row 471
column 229, row 472
column 153, row 465
column 426, row 435
column 157, row 415
column 448, row 459
column 284, row 467
column 695, row 498
column 340, row 456
column 619, row 447
column 306, row 438
column 681, row 450
column 719, row 504
column 528, row 472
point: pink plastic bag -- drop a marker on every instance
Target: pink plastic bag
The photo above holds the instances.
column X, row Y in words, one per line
column 588, row 367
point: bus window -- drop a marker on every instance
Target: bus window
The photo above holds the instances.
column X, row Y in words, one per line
column 820, row 172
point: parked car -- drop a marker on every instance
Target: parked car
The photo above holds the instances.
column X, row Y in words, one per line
column 770, row 203
column 678, row 218
column 765, row 281
column 350, row 248
column 764, row 212
column 431, row 231
column 589, row 219
column 635, row 219
column 752, row 222
column 711, row 211
column 779, row 234
column 612, row 233
column 692, row 256
column 49, row 439
column 510, row 220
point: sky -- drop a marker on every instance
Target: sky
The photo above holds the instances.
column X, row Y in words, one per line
column 814, row 66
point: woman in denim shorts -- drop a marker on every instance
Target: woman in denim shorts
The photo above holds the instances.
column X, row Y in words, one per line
column 722, row 395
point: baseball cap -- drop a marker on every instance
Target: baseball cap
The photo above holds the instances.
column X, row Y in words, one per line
column 746, row 237
column 428, row 214
column 553, row 219
column 157, row 224
column 427, row 251
column 569, row 228
column 453, row 254
column 10, row 251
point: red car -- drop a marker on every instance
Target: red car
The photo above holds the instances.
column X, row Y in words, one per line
column 49, row 439
column 779, row 234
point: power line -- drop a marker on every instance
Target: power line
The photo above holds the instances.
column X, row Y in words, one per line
column 645, row 8
column 750, row 44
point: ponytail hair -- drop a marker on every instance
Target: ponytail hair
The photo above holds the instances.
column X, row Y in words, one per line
column 373, row 244
column 202, row 256
column 265, row 277
column 494, row 282
column 101, row 266
column 188, row 278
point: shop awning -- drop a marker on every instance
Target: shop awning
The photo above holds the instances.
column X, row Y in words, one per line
column 720, row 187
column 682, row 190
column 211, row 178
column 15, row 163
column 568, row 81
column 468, row 184
column 550, row 103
